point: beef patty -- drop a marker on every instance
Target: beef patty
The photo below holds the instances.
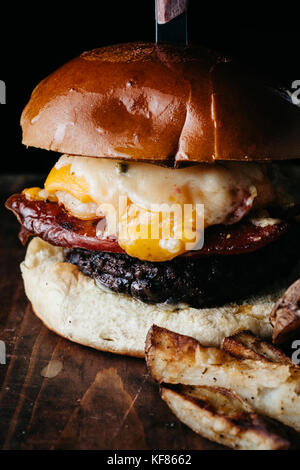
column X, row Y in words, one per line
column 198, row 281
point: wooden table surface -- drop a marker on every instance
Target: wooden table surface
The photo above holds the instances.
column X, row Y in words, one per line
column 94, row 400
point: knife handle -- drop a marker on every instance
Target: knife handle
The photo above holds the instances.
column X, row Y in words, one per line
column 167, row 10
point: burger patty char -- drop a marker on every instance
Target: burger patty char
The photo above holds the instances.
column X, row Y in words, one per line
column 197, row 281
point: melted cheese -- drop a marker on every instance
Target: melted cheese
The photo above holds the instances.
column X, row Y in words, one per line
column 34, row 193
column 155, row 236
column 87, row 185
column 64, row 179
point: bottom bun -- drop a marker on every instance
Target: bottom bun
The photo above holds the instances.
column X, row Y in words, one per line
column 72, row 305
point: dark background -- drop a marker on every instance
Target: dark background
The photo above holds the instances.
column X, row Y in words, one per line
column 34, row 40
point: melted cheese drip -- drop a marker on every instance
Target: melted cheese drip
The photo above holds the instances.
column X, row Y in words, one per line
column 155, row 236
column 64, row 179
column 86, row 185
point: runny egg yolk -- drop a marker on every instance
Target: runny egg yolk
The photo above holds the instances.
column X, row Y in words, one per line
column 142, row 234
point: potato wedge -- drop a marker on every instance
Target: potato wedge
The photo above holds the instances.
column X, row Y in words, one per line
column 285, row 316
column 272, row 389
column 245, row 345
column 223, row 417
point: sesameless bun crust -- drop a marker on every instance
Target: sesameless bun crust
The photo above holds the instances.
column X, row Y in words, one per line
column 160, row 103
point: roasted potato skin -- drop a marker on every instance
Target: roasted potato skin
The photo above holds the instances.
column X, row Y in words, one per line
column 245, row 345
column 221, row 415
column 272, row 388
column 285, row 316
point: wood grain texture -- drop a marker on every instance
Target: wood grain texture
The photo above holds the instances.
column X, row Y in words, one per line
column 96, row 401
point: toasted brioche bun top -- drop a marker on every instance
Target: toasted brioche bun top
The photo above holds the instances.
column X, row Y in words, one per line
column 160, row 103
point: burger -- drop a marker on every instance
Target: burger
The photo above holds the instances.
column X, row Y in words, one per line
column 143, row 127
